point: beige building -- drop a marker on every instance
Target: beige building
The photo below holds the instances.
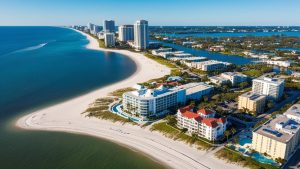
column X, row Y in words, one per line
column 279, row 136
column 252, row 102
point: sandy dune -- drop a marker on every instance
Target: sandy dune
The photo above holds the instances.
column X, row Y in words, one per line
column 67, row 117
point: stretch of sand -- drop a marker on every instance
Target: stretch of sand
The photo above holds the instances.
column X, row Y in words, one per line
column 67, row 117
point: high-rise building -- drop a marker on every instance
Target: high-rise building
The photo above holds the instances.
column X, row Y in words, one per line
column 96, row 29
column 141, row 35
column 90, row 26
column 109, row 39
column 252, row 102
column 109, row 26
column 271, row 87
column 126, row 33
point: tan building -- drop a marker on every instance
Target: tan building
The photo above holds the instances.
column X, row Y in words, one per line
column 279, row 136
column 252, row 102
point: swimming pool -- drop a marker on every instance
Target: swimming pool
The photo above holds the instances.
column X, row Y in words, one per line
column 244, row 141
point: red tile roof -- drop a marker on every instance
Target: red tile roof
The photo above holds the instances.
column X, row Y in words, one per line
column 221, row 120
column 184, row 109
column 205, row 111
column 190, row 115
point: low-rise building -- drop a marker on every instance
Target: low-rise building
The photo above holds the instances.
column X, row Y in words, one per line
column 252, row 102
column 279, row 63
column 280, row 136
column 218, row 80
column 218, row 48
column 234, row 77
column 210, row 65
column 160, row 50
column 201, row 123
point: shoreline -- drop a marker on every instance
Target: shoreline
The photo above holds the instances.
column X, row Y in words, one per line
column 67, row 117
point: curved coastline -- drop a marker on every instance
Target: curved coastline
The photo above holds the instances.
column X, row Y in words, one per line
column 67, row 117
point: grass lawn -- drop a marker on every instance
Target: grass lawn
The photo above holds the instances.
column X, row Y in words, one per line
column 235, row 157
column 176, row 134
column 99, row 109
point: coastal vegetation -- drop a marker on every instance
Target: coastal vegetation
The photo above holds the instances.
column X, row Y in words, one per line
column 255, row 70
column 100, row 109
column 236, row 157
column 177, row 134
column 160, row 60
column 120, row 92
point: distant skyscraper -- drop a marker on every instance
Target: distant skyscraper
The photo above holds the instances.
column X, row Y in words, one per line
column 109, row 39
column 90, row 26
column 96, row 29
column 126, row 33
column 109, row 26
column 141, row 37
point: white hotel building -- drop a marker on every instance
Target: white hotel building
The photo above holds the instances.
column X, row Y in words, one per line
column 271, row 87
column 155, row 102
column 109, row 39
column 201, row 123
column 126, row 33
column 141, row 35
column 210, row 65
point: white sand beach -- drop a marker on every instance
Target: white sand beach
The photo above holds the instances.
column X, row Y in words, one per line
column 67, row 117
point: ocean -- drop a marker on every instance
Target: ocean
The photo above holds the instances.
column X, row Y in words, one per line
column 41, row 66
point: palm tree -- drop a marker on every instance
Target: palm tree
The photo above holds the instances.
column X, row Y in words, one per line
column 227, row 133
column 233, row 130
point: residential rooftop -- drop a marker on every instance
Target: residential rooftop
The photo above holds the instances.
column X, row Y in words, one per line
column 253, row 96
column 281, row 128
column 270, row 80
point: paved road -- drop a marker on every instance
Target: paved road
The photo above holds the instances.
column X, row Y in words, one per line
column 294, row 95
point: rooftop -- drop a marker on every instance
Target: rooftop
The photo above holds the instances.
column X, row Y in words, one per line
column 280, row 128
column 293, row 110
column 270, row 80
column 194, row 87
column 253, row 96
column 233, row 74
column 212, row 122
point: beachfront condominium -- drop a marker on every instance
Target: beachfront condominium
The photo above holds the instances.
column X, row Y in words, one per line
column 210, row 65
column 252, row 102
column 271, row 87
column 280, row 136
column 202, row 123
column 95, row 29
column 109, row 39
column 234, row 77
column 156, row 102
column 90, row 26
column 126, row 33
column 141, row 35
column 109, row 26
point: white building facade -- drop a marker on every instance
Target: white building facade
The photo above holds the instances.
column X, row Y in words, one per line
column 141, row 35
column 109, row 39
column 201, row 123
column 271, row 87
column 126, row 33
column 155, row 102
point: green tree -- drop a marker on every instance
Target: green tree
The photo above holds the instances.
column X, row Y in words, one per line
column 171, row 120
column 227, row 133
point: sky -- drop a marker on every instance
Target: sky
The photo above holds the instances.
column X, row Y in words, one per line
column 157, row 12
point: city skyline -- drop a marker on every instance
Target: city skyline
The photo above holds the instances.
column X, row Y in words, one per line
column 173, row 13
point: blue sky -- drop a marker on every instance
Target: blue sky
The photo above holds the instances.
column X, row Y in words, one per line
column 157, row 12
